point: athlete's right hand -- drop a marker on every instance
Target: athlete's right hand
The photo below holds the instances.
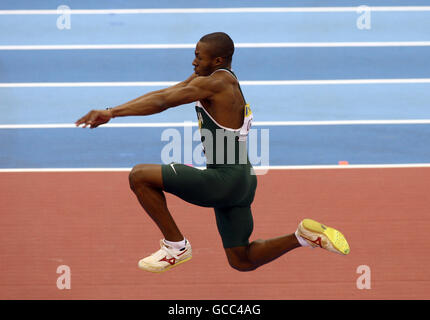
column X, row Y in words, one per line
column 94, row 118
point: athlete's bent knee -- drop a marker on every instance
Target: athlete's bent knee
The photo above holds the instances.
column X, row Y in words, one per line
column 238, row 261
column 136, row 176
column 242, row 267
column 251, row 254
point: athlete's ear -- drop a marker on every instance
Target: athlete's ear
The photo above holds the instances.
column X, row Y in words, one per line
column 219, row 61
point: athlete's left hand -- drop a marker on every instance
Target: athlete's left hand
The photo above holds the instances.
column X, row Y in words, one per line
column 95, row 118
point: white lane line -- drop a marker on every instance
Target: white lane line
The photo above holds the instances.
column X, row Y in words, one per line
column 257, row 168
column 194, row 124
column 87, row 84
column 332, row 82
column 348, row 166
column 237, row 45
column 108, row 125
column 340, row 122
column 244, row 83
column 221, row 10
column 97, row 46
column 64, row 170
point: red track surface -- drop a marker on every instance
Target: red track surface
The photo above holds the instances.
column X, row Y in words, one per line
column 92, row 223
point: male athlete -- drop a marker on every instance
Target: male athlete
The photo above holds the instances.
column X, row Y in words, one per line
column 228, row 183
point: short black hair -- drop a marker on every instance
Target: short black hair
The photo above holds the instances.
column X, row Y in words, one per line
column 223, row 45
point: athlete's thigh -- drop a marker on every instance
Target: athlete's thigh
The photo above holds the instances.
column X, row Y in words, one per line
column 235, row 225
column 200, row 187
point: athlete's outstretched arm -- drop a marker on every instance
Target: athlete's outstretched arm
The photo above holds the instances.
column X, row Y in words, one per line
column 197, row 89
column 178, row 85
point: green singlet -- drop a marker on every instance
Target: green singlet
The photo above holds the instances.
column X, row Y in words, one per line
column 227, row 184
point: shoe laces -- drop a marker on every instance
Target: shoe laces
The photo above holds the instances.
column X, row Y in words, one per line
column 169, row 251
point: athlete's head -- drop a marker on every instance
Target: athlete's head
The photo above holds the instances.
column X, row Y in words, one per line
column 213, row 51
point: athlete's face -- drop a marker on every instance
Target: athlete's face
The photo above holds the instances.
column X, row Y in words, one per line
column 204, row 64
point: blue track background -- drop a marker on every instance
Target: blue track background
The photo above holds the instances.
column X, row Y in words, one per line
column 289, row 145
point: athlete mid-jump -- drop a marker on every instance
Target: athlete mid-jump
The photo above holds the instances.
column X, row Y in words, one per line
column 228, row 183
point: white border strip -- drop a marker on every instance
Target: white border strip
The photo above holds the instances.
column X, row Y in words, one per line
column 237, row 45
column 244, row 83
column 220, row 10
column 194, row 124
column 257, row 168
